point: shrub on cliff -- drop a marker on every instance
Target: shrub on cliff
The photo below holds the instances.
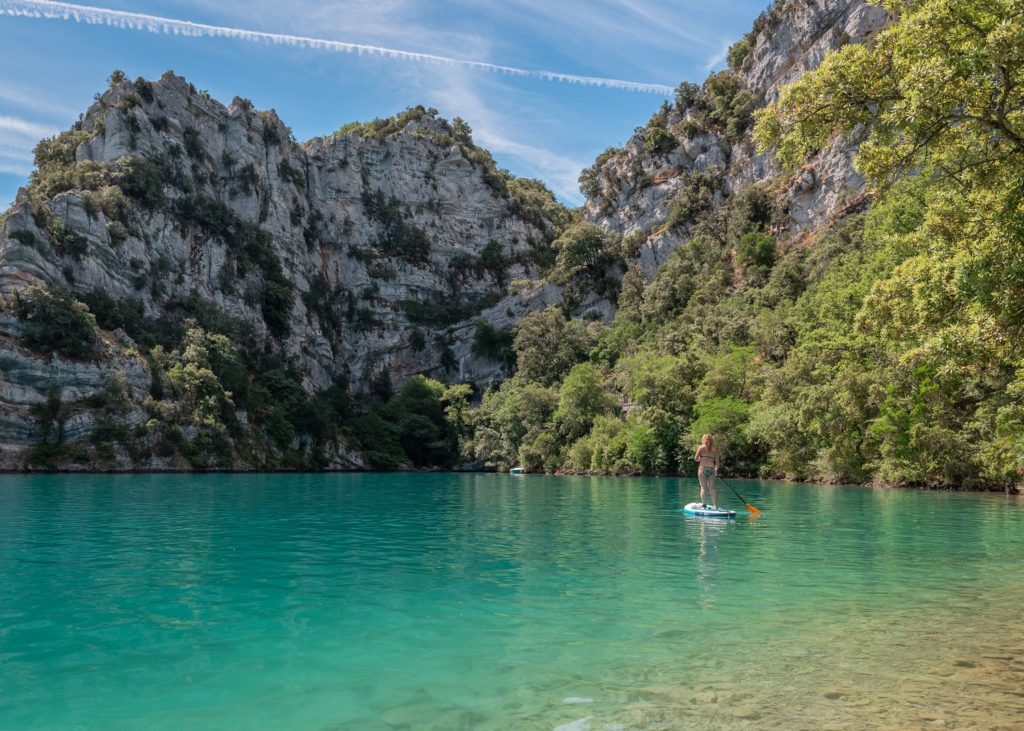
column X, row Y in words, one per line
column 55, row 322
column 490, row 342
column 142, row 180
column 398, row 237
column 591, row 177
column 739, row 52
column 589, row 260
column 723, row 104
column 536, row 204
column 657, row 139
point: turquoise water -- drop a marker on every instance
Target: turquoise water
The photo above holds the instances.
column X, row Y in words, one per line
column 487, row 602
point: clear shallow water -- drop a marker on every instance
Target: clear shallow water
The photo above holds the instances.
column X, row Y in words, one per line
column 487, row 602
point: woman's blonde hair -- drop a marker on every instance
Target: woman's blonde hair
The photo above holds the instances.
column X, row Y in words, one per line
column 707, row 440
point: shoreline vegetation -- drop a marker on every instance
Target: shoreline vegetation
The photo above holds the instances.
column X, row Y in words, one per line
column 883, row 347
column 1008, row 488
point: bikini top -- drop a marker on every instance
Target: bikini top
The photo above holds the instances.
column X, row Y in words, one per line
column 707, row 454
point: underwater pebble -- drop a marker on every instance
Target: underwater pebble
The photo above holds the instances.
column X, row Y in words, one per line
column 581, row 724
column 747, row 712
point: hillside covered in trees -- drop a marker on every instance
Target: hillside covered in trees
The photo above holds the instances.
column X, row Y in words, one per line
column 882, row 344
column 817, row 255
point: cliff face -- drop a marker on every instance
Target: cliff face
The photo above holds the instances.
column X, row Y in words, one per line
column 381, row 220
column 377, row 249
column 698, row 151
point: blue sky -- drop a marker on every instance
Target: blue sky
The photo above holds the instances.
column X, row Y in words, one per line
column 50, row 69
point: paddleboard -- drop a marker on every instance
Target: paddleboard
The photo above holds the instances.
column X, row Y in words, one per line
column 708, row 512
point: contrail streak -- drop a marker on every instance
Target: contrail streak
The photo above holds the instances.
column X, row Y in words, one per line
column 171, row 26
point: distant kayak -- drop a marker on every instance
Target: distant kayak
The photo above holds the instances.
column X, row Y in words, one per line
column 708, row 512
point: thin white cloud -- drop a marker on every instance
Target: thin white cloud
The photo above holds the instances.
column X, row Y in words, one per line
column 644, row 38
column 17, row 138
column 171, row 26
column 24, row 128
column 658, row 17
column 16, row 151
column 13, row 169
column 717, row 58
column 31, row 100
column 391, row 23
column 504, row 136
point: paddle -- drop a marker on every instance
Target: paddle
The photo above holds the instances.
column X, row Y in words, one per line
column 751, row 508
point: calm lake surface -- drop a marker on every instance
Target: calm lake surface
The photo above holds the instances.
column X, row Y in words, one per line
column 443, row 601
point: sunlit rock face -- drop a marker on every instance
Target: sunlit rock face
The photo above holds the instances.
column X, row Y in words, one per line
column 392, row 242
column 363, row 223
column 637, row 187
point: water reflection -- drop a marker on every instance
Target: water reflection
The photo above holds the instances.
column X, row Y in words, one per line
column 709, row 531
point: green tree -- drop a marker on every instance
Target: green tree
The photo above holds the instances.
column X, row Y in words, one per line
column 755, row 252
column 951, row 110
column 949, row 113
column 510, row 417
column 547, row 345
column 588, row 259
column 55, row 322
column 543, row 454
column 425, row 434
column 461, row 131
column 200, row 398
column 456, row 408
column 581, row 399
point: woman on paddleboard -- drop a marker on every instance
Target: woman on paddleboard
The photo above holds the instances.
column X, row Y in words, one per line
column 707, row 468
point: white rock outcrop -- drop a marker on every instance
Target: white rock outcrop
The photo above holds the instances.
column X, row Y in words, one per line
column 638, row 188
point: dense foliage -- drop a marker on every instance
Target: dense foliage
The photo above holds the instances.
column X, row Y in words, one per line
column 55, row 322
column 950, row 313
column 419, row 426
column 885, row 346
column 888, row 348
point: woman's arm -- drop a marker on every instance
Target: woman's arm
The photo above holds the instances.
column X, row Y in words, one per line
column 696, row 456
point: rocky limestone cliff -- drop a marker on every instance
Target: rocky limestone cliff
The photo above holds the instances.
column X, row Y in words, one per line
column 378, row 249
column 697, row 152
column 383, row 220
